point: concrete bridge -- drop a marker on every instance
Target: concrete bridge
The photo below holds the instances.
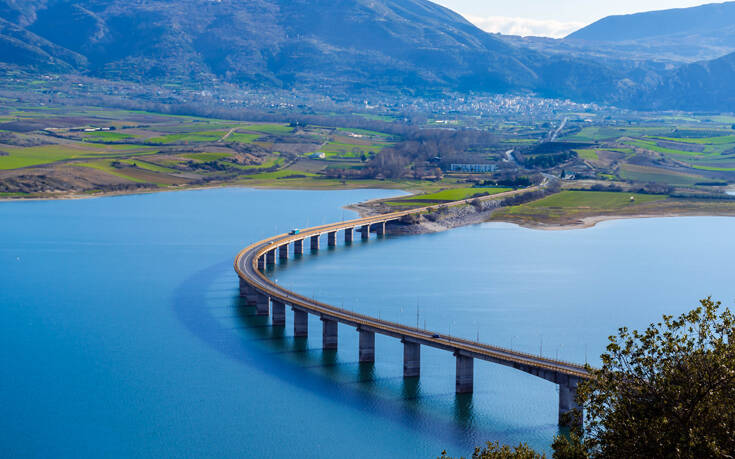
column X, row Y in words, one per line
column 270, row 298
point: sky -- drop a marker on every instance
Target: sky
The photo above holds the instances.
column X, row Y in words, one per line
column 551, row 18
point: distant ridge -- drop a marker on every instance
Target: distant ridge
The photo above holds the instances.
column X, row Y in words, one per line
column 708, row 20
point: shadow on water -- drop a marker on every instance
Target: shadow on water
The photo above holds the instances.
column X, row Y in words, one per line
column 269, row 349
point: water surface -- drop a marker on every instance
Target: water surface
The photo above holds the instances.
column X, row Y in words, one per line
column 122, row 333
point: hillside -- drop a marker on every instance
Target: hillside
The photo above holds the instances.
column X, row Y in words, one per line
column 689, row 34
column 279, row 43
column 408, row 45
column 347, row 47
column 706, row 85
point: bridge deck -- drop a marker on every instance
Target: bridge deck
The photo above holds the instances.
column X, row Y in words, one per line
column 246, row 266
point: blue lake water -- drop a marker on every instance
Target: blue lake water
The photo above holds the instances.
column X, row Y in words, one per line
column 122, row 333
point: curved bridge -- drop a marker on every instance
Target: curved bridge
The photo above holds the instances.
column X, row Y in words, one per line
column 268, row 296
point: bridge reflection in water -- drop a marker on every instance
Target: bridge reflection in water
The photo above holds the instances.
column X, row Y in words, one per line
column 270, row 298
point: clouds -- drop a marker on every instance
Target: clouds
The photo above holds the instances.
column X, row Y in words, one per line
column 525, row 26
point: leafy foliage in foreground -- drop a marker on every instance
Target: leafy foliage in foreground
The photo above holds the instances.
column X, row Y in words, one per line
column 496, row 451
column 667, row 391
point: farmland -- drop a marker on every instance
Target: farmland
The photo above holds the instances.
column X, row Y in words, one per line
column 76, row 150
column 569, row 206
column 45, row 151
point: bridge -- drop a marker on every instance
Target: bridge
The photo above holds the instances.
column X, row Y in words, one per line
column 271, row 298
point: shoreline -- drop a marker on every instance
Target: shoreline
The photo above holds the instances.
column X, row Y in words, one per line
column 75, row 196
column 364, row 209
column 592, row 221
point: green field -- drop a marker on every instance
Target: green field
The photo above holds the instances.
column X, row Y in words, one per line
column 280, row 175
column 576, row 203
column 147, row 166
column 193, row 137
column 33, row 156
column 588, row 153
column 714, row 168
column 347, row 150
column 206, row 157
column 108, row 136
column 364, row 132
column 274, row 129
column 443, row 196
column 602, row 133
column 657, row 175
column 720, row 140
column 456, row 194
column 242, row 138
column 105, row 166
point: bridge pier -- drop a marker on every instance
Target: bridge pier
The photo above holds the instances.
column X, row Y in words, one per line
column 261, row 263
column 248, row 292
column 367, row 346
column 365, row 231
column 315, row 242
column 261, row 304
column 244, row 287
column 380, row 229
column 465, row 373
column 332, row 239
column 329, row 333
column 298, row 247
column 300, row 323
column 279, row 312
column 283, row 252
column 270, row 257
column 568, row 403
column 411, row 359
column 348, row 235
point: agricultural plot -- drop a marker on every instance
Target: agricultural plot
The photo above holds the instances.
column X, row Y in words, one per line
column 645, row 174
column 567, row 206
column 609, row 133
column 206, row 157
column 273, row 129
column 19, row 157
column 364, row 133
column 700, row 153
column 349, row 150
column 240, row 137
column 193, row 137
column 443, row 196
column 135, row 172
column 108, row 136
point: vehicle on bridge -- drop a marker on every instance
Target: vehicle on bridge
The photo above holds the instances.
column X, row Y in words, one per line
column 294, row 231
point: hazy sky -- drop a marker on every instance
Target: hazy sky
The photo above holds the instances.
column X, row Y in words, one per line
column 550, row 18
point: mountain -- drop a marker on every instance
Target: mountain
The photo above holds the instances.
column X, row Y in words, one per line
column 414, row 43
column 404, row 45
column 337, row 47
column 686, row 34
column 706, row 85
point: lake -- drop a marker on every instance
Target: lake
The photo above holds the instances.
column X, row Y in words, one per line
column 123, row 334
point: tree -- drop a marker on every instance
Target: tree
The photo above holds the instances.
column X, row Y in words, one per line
column 666, row 391
column 495, row 451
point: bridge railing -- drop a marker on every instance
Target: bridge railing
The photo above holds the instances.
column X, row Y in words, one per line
column 288, row 296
